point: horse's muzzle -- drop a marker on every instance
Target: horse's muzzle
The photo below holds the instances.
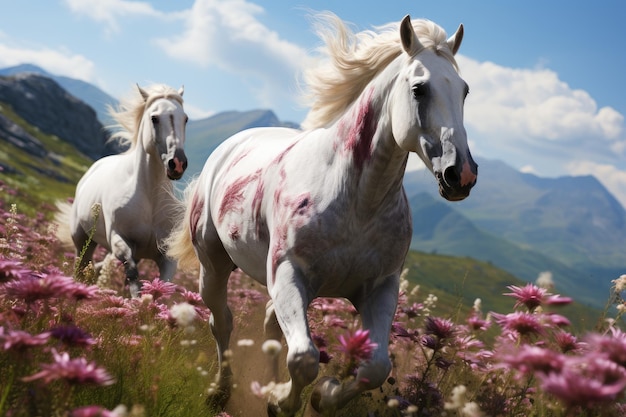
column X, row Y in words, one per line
column 177, row 165
column 456, row 181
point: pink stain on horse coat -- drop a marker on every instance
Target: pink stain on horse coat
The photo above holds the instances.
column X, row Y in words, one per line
column 234, row 195
column 358, row 136
column 291, row 214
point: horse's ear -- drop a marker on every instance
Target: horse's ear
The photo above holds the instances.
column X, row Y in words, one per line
column 142, row 92
column 454, row 42
column 410, row 43
column 181, row 90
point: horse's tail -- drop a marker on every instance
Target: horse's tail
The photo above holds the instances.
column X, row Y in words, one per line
column 62, row 223
column 178, row 244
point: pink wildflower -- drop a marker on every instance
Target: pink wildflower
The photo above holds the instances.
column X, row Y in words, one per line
column 157, row 288
column 12, row 270
column 531, row 359
column 612, row 346
column 74, row 371
column 31, row 289
column 532, row 297
column 519, row 322
column 586, row 382
column 357, row 345
column 442, row 328
column 567, row 342
column 18, row 340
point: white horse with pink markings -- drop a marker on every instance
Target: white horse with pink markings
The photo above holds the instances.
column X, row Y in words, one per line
column 322, row 212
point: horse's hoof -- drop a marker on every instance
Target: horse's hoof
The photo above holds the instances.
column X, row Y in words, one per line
column 323, row 386
column 217, row 399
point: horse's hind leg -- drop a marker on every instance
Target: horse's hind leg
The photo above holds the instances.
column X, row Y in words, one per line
column 291, row 300
column 215, row 270
column 377, row 309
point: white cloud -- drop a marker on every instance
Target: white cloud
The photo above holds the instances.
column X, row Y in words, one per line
column 534, row 105
column 227, row 35
column 109, row 11
column 611, row 177
column 59, row 62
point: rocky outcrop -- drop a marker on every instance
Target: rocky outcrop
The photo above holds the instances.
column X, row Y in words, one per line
column 42, row 103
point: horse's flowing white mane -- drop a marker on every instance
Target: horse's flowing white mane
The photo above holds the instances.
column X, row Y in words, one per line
column 130, row 110
column 353, row 60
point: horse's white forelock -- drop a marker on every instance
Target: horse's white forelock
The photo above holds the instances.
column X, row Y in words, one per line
column 352, row 60
column 130, row 110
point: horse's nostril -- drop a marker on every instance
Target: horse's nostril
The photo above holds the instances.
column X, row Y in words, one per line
column 450, row 176
column 171, row 164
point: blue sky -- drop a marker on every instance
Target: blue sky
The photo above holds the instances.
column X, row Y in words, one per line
column 547, row 79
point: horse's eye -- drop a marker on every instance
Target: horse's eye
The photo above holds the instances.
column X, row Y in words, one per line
column 155, row 120
column 420, row 90
column 186, row 119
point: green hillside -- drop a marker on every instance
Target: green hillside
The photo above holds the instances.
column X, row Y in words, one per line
column 437, row 228
column 40, row 180
column 457, row 282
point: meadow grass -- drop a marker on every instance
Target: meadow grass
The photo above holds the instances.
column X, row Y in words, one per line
column 74, row 344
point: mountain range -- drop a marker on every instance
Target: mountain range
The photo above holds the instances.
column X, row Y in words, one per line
column 524, row 224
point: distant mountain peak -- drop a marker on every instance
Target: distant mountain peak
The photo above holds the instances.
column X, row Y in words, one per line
column 24, row 68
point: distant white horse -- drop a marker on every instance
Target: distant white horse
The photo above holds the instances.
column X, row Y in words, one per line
column 125, row 202
column 322, row 212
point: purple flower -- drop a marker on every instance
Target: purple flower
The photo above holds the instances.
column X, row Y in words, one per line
column 74, row 371
column 18, row 340
column 12, row 270
column 357, row 345
column 72, row 336
column 442, row 328
column 31, row 289
column 157, row 288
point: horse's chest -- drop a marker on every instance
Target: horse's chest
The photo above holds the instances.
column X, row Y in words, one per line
column 340, row 254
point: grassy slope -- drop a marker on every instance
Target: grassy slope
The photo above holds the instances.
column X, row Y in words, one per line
column 41, row 180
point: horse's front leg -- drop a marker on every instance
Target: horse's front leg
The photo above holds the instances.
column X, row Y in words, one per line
column 377, row 309
column 290, row 303
column 122, row 251
column 167, row 267
column 272, row 331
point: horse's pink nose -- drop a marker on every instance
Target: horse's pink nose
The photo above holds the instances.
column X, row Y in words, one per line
column 178, row 166
column 467, row 175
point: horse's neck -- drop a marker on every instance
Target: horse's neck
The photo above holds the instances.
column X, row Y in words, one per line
column 150, row 174
column 374, row 165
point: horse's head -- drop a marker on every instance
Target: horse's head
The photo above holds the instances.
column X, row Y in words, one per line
column 165, row 118
column 427, row 111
